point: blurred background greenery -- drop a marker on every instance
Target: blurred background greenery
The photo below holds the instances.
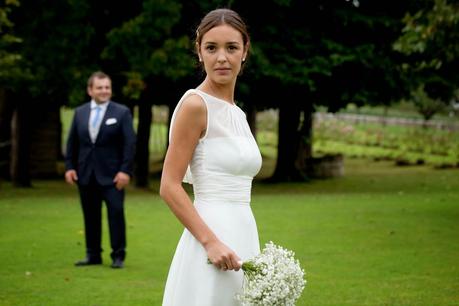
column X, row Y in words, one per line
column 311, row 63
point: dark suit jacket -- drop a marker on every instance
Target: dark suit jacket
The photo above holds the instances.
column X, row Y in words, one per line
column 113, row 150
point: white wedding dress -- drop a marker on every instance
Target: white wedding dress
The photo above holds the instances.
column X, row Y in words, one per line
column 222, row 168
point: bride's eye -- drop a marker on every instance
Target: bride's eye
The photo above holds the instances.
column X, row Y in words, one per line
column 233, row 48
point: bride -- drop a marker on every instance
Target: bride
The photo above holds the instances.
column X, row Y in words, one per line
column 211, row 147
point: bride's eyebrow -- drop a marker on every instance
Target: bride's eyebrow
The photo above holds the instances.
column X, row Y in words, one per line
column 226, row 43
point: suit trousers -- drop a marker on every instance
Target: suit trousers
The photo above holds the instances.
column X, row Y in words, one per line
column 91, row 197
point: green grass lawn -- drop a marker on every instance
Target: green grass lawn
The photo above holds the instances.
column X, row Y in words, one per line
column 380, row 235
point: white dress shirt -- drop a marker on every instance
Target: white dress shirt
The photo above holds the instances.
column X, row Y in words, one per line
column 93, row 131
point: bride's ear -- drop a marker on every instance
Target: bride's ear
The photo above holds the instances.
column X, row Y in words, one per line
column 198, row 52
column 246, row 51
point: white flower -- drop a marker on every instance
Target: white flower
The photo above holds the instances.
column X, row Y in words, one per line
column 274, row 278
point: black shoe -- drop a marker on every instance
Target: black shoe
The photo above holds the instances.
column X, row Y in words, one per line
column 117, row 263
column 89, row 262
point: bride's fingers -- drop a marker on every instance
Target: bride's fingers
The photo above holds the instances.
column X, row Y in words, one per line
column 232, row 263
column 223, row 266
column 229, row 265
column 224, row 259
column 235, row 264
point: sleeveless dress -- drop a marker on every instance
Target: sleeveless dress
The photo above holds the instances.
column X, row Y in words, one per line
column 221, row 170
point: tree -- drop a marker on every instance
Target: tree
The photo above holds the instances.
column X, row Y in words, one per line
column 430, row 42
column 62, row 43
column 426, row 105
column 308, row 53
column 157, row 59
column 9, row 76
column 9, row 57
column 327, row 53
column 55, row 41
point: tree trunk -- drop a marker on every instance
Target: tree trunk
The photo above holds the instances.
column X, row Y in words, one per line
column 304, row 152
column 287, row 148
column 20, row 149
column 45, row 139
column 60, row 147
column 142, row 160
column 6, row 114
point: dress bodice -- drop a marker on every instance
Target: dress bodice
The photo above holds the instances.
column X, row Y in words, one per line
column 227, row 157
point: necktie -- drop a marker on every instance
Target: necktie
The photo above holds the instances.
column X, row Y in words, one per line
column 95, row 121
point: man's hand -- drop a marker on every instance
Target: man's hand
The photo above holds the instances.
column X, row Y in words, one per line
column 71, row 176
column 121, row 180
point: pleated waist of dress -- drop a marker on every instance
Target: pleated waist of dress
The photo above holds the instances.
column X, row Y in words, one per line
column 222, row 189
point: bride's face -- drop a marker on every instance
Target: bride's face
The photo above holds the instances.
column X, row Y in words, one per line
column 222, row 51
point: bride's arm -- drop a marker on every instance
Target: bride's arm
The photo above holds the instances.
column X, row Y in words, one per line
column 189, row 125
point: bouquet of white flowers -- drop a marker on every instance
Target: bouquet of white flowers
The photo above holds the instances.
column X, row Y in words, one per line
column 274, row 277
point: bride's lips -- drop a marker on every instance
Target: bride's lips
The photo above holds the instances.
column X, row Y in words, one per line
column 222, row 71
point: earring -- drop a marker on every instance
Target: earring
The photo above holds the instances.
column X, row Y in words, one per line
column 200, row 60
column 243, row 60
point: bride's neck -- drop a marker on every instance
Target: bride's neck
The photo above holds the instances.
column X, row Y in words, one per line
column 224, row 92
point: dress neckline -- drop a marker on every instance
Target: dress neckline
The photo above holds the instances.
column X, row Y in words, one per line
column 218, row 99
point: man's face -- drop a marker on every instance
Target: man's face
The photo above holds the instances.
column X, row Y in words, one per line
column 101, row 90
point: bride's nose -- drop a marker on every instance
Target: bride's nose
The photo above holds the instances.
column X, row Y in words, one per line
column 221, row 57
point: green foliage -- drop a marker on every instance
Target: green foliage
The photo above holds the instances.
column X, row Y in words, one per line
column 10, row 73
column 174, row 60
column 426, row 105
column 326, row 51
column 430, row 40
column 148, row 46
column 432, row 32
column 55, row 48
column 134, row 87
column 309, row 47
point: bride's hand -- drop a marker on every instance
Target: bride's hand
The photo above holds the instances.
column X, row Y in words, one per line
column 223, row 257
